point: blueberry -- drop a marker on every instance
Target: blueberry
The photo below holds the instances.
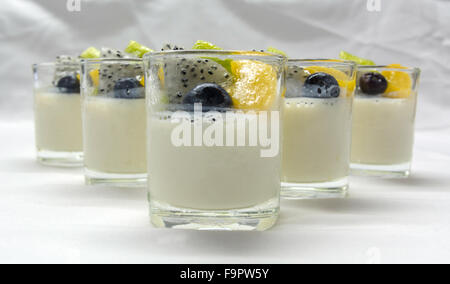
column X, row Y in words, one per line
column 128, row 88
column 321, row 85
column 373, row 83
column 69, row 84
column 211, row 96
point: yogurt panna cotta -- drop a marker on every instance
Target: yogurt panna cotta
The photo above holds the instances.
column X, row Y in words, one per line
column 114, row 120
column 57, row 110
column 384, row 117
column 206, row 177
column 58, row 121
column 115, row 138
column 208, row 169
column 317, row 129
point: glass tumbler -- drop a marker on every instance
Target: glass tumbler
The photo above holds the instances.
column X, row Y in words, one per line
column 57, row 113
column 317, row 128
column 384, row 119
column 214, row 139
column 114, row 122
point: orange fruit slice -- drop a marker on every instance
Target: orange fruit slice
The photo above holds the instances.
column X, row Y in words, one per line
column 255, row 86
column 399, row 83
column 95, row 76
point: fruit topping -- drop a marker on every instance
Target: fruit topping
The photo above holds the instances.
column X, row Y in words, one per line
column 358, row 60
column 180, row 75
column 91, row 52
column 137, row 49
column 169, row 47
column 204, row 45
column 112, row 53
column 399, row 83
column 111, row 73
column 211, row 96
column 255, row 85
column 65, row 66
column 321, row 85
column 128, row 88
column 295, row 79
column 69, row 84
column 67, row 60
column 373, row 83
column 276, row 51
column 343, row 79
column 95, row 77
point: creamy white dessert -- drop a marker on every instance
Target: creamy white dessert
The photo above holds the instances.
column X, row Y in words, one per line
column 316, row 139
column 383, row 130
column 209, row 178
column 214, row 159
column 115, row 135
column 384, row 118
column 58, row 121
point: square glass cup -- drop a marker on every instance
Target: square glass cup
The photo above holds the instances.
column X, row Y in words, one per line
column 114, row 122
column 317, row 113
column 213, row 139
column 383, row 123
column 57, row 115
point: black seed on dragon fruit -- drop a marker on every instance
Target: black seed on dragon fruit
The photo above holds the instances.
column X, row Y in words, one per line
column 112, row 73
column 168, row 47
column 112, row 53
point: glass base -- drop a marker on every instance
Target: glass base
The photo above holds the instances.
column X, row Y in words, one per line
column 60, row 159
column 116, row 180
column 383, row 171
column 324, row 190
column 258, row 218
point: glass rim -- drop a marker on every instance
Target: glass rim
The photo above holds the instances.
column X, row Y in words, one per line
column 414, row 70
column 109, row 60
column 53, row 64
column 323, row 60
column 236, row 53
column 330, row 63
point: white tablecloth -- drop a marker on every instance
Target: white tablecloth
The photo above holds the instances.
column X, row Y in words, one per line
column 48, row 215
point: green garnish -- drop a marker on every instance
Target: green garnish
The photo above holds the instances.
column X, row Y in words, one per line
column 201, row 44
column 91, row 52
column 204, row 45
column 360, row 61
column 277, row 51
column 137, row 49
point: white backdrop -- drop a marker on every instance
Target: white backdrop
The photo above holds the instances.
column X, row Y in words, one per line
column 48, row 215
column 411, row 32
